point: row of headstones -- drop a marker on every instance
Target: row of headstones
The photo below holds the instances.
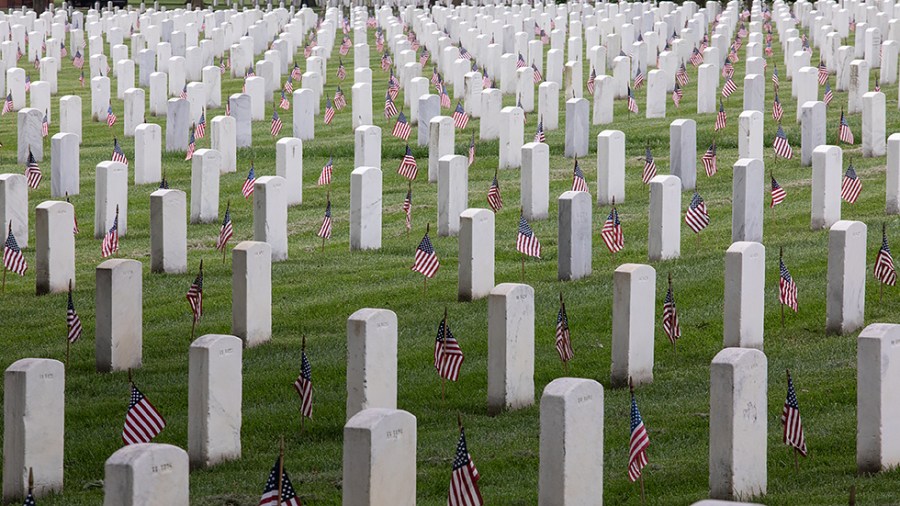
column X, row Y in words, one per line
column 380, row 441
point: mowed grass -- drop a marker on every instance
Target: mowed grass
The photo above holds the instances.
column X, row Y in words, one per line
column 314, row 292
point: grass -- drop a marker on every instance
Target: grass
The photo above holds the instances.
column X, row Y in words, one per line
column 315, row 292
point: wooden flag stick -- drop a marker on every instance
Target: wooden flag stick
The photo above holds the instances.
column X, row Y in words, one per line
column 30, row 481
column 443, row 347
column 280, row 468
column 853, row 495
column 780, row 258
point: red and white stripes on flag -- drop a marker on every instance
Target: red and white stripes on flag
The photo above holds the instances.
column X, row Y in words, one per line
column 142, row 421
column 526, row 242
column 844, row 132
column 13, row 259
column 721, row 117
column 884, row 264
column 781, row 145
column 670, row 324
column 790, row 419
column 563, row 337
column 649, row 167
column 110, row 242
column 401, row 127
column 493, row 196
column 611, row 233
column 851, row 185
column 778, row 193
column 73, row 322
column 709, row 161
column 33, row 174
column 787, row 288
column 325, row 230
column 777, row 110
column 408, row 167
column 464, row 480
column 640, row 441
column 426, row 260
column 460, row 117
column 195, row 295
column 728, row 88
column 448, row 356
column 697, row 216
column 303, row 385
column 579, row 184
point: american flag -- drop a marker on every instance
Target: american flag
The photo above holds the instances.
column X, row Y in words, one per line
column 727, row 68
column 519, row 105
column 110, row 242
column 851, row 185
column 393, row 86
column 386, row 62
column 142, row 421
column 829, row 96
column 638, row 79
column 325, row 230
column 493, row 196
column 544, row 37
column 325, row 175
column 408, row 167
column 526, row 242
column 271, row 493
column 183, row 95
column 775, row 77
column 637, row 453
column 632, row 103
column 343, row 50
column 73, row 322
column 696, row 57
column 728, row 88
column 435, row 76
column 721, row 117
column 407, row 208
column 782, row 148
column 777, row 110
column 289, row 85
column 677, row 94
column 445, row 98
column 401, row 127
column 464, row 481
column 32, row 171
column 460, row 117
column 823, row 73
column 520, row 62
column 787, row 289
column 226, row 231
column 844, row 132
column 778, row 193
column 423, row 58
column 201, row 126
column 464, row 54
column 285, row 104
column 611, row 233
column 13, row 259
column 709, row 161
column 78, row 61
column 884, row 263
column 192, row 145
column 63, row 52
column 579, row 184
column 222, row 66
column 296, row 73
column 74, row 218
column 303, row 385
column 563, row 338
column 247, row 188
column 697, row 216
column 276, row 123
column 670, row 315
column 195, row 295
column 682, row 76
column 768, row 49
column 45, row 126
column 339, row 101
column 471, row 154
column 110, row 116
column 486, row 81
column 250, row 73
column 539, row 135
column 538, row 77
column 117, row 154
column 426, row 261
column 8, row 105
column 329, row 111
column 448, row 356
column 590, row 82
column 390, row 110
column 649, row 167
column 790, row 419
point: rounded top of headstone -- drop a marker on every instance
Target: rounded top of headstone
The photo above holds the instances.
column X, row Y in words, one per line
column 119, row 263
column 635, row 269
column 31, row 364
column 138, row 454
column 880, row 331
column 374, row 315
column 217, row 341
column 373, row 418
column 566, row 387
column 59, row 205
column 112, row 166
column 736, row 356
column 666, row 180
column 13, row 178
column 518, row 290
column 849, row 226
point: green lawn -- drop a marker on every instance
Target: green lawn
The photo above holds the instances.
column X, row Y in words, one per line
column 314, row 292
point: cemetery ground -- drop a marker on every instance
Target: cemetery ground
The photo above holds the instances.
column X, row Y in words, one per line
column 314, row 292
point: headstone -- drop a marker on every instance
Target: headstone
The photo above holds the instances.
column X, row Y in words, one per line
column 110, row 193
column 755, row 92
column 158, row 93
column 371, row 360
column 33, row 427
column 255, row 90
column 664, row 236
column 873, row 125
column 489, row 126
column 365, row 208
column 747, row 200
column 168, row 231
column 548, row 107
column 807, row 87
column 362, row 105
column 214, row 400
column 251, row 292
column 178, row 125
column 656, row 94
column 304, row 111
column 99, row 98
column 683, row 152
column 14, row 207
column 535, row 181
column 633, row 323
column 147, row 473
column 70, row 115
column 610, row 167
column 441, row 138
column 118, row 342
column 289, row 165
column 750, row 135
column 379, row 458
column 877, row 412
column 270, row 214
column 367, row 147
column 54, row 246
column 577, row 128
column 859, row 85
column 125, row 77
column 737, row 424
column 147, row 153
column 571, row 444
column 846, row 289
column 476, row 254
column 512, row 134
column 240, row 111
column 745, row 277
column 453, row 193
column 212, row 83
column 827, row 172
column 510, row 347
column 206, row 165
column 28, row 134
column 575, row 222
column 707, row 83
column 429, row 108
column 223, row 138
column 65, row 173
column 812, row 130
column 892, row 183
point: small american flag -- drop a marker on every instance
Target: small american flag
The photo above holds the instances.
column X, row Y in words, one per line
column 486, row 82
column 464, row 481
column 183, row 95
column 775, row 77
column 637, row 455
column 471, row 154
column 460, row 117
column 591, row 80
column 13, row 259
column 768, row 49
column 285, row 104
column 844, row 132
column 563, row 338
column 195, row 295
column 386, row 62
column 611, row 233
column 728, row 88
column 142, row 421
column 721, row 117
column 638, row 79
column 649, row 167
column 325, row 230
column 63, row 52
column 696, row 57
column 709, row 160
column 697, row 216
column 110, row 116
column 790, row 419
column 325, row 175
column 192, row 145
column 33, row 172
column 393, row 86
column 539, row 135
column 632, row 103
column 339, row 101
column 778, row 193
column 110, row 242
column 781, row 145
column 250, row 73
column 8, row 105
column 445, row 98
column 579, row 184
column 829, row 96
column 226, row 231
column 884, row 263
column 682, row 76
column 464, row 54
column 435, row 76
column 73, row 322
column 677, row 94
column 787, row 289
column 851, row 185
column 29, row 499
column 526, row 242
column 538, row 77
column 426, row 260
column 289, row 85
column 727, row 68
column 407, row 209
column 493, row 196
column 329, row 111
column 247, row 188
column 401, row 127
column 520, row 62
column 423, row 58
column 303, row 385
column 408, row 167
column 78, row 61
column 296, row 74
column 341, row 71
column 276, row 123
column 271, row 494
column 201, row 126
column 448, row 356
column 74, row 218
column 823, row 73
column 117, row 154
column 777, row 110
column 670, row 316
column 45, row 126
column 390, row 110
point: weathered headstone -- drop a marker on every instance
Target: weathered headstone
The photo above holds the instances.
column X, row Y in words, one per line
column 70, row 115
column 110, row 198
column 745, row 277
column 379, row 458
column 812, row 130
column 476, row 254
column 367, row 147
column 577, row 128
column 206, row 166
column 846, row 289
column 118, row 342
column 429, row 107
column 365, row 208
column 65, row 171
column 750, row 135
column 289, row 165
column 510, row 347
column 28, row 134
column 147, row 153
column 664, row 235
column 54, row 246
column 251, row 292
column 575, row 222
column 168, row 231
column 270, row 214
column 453, row 193
column 873, row 124
column 747, row 200
column 215, row 383
column 371, row 360
column 240, row 111
column 683, row 152
column 146, row 473
column 892, row 199
column 826, row 186
column 633, row 323
column 512, row 136
column 878, row 412
column 14, row 207
column 178, row 125
column 223, row 138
